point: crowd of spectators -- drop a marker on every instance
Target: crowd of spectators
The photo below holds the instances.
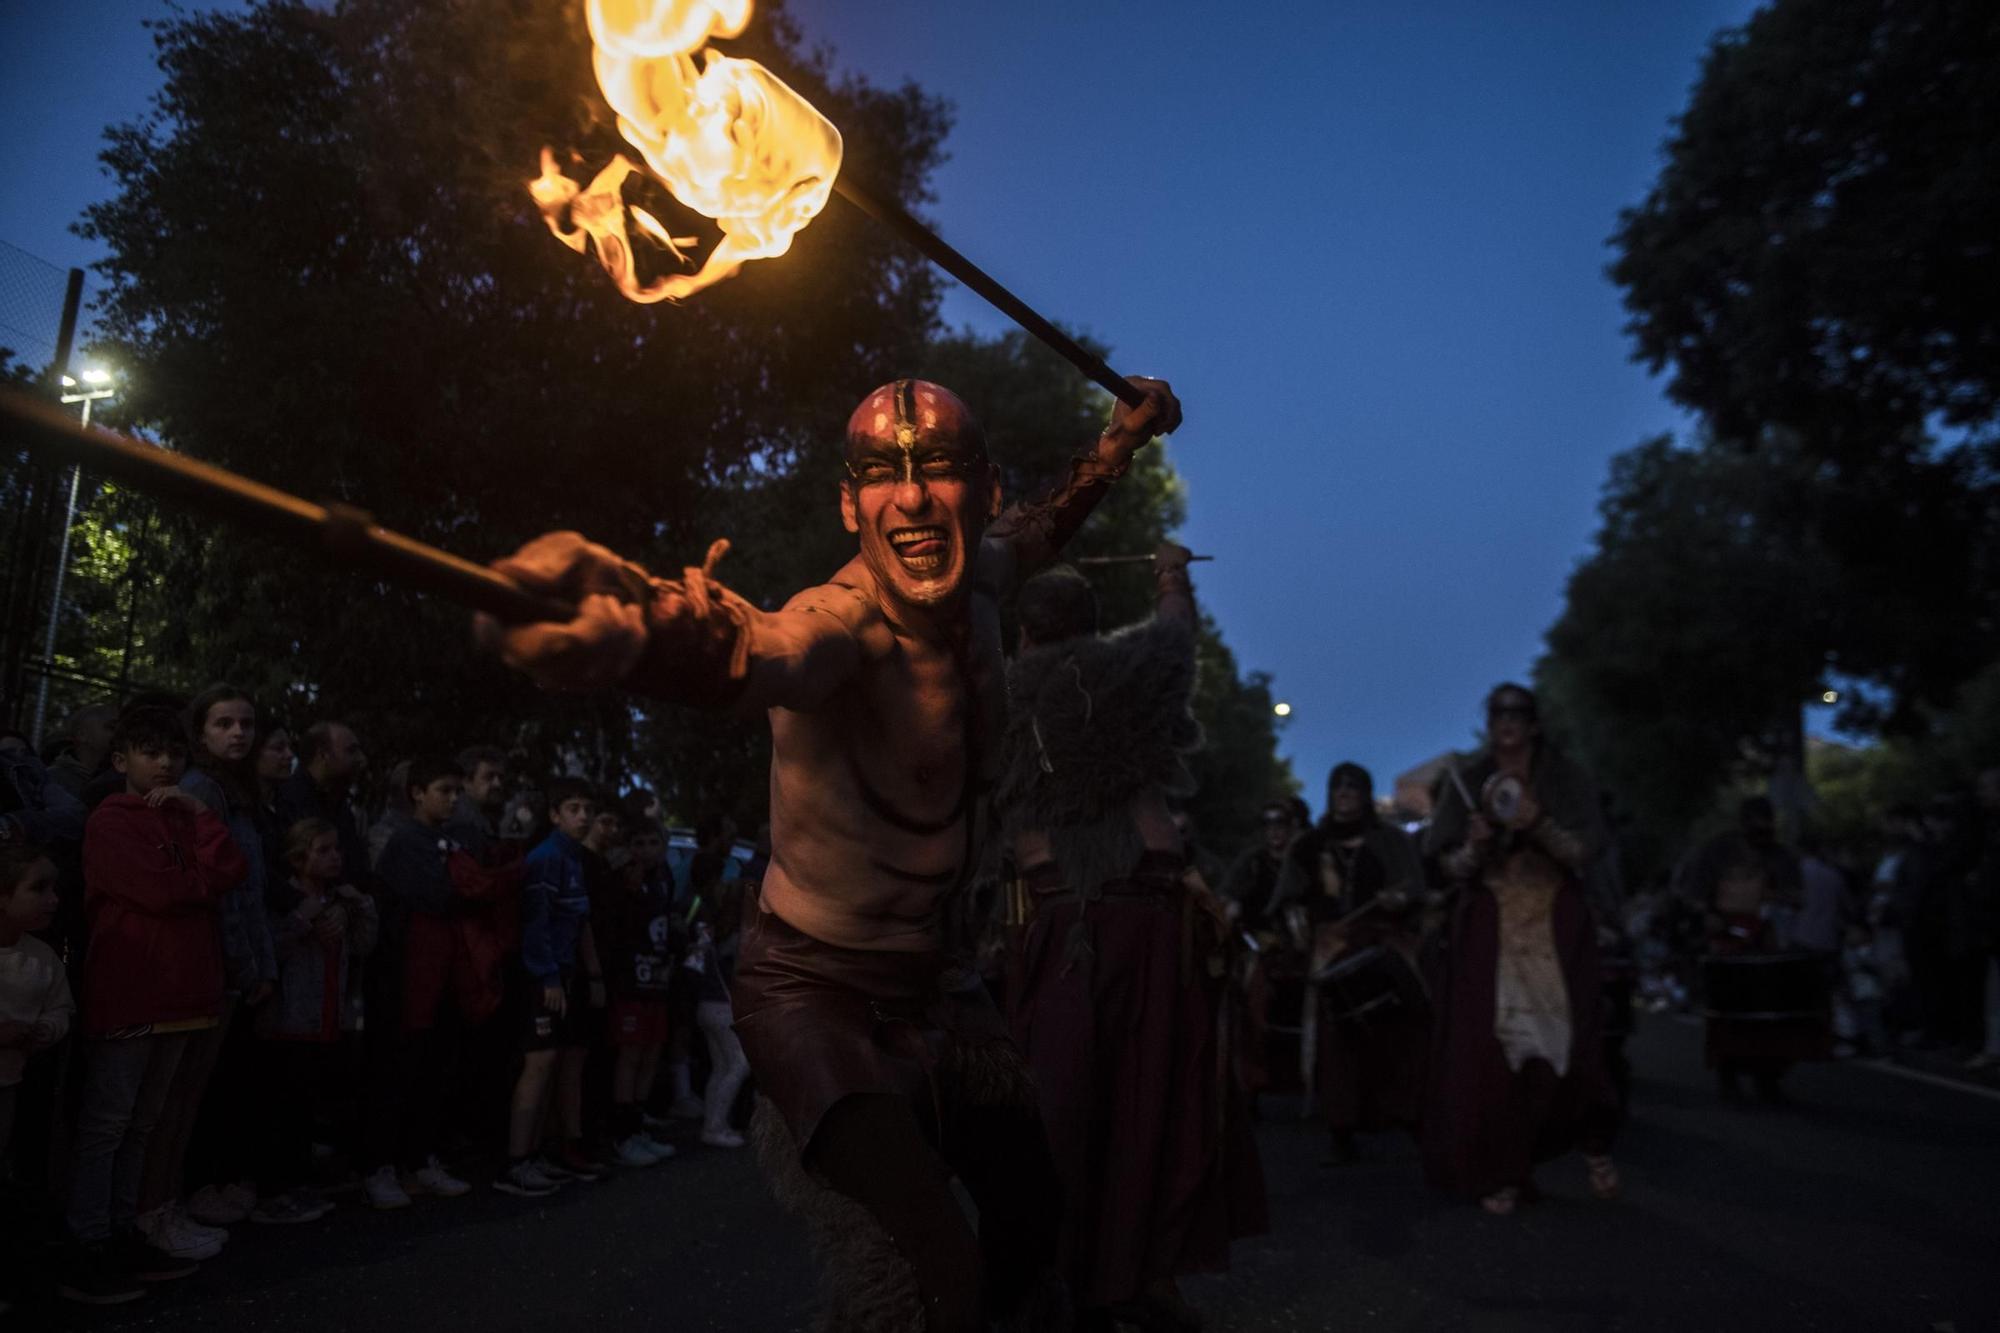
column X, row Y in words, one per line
column 227, row 988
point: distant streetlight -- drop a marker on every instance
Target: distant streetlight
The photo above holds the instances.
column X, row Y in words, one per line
column 1829, row 696
column 1282, row 709
column 99, row 381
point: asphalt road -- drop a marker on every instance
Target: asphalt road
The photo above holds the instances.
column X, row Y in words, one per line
column 1872, row 1204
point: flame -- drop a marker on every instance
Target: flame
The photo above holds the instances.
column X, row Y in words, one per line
column 729, row 139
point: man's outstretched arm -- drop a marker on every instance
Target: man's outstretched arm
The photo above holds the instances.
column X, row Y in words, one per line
column 688, row 640
column 1032, row 532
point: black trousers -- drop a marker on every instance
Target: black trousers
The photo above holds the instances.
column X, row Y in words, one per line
column 873, row 1149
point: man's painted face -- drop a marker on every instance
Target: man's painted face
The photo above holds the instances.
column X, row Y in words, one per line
column 919, row 490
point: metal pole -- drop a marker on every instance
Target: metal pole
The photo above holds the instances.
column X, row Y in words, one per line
column 899, row 220
column 55, row 598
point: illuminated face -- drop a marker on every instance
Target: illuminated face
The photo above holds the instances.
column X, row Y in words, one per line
column 227, row 729
column 919, row 490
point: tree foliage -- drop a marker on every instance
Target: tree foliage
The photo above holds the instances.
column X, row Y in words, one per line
column 324, row 270
column 1814, row 266
column 1822, row 246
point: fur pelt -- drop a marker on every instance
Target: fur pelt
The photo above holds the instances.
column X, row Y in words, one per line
column 1093, row 723
column 865, row 1284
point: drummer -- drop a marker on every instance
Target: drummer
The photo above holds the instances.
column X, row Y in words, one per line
column 1746, row 881
column 1359, row 885
column 1517, row 1071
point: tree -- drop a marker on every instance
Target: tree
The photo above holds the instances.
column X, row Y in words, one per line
column 1725, row 588
column 325, row 270
column 1819, row 252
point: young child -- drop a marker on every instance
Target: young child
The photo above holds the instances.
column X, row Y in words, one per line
column 433, row 888
column 35, row 1003
column 637, row 938
column 555, row 938
column 156, row 864
column 323, row 927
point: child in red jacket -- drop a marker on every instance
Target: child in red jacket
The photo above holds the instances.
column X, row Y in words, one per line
column 156, row 863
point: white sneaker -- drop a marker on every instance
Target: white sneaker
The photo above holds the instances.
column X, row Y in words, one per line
column 216, row 1207
column 722, row 1138
column 526, row 1180
column 634, row 1152
column 190, row 1225
column 164, row 1233
column 660, row 1148
column 384, row 1190
column 432, row 1178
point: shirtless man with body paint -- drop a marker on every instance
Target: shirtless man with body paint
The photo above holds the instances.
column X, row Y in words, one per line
column 886, row 1066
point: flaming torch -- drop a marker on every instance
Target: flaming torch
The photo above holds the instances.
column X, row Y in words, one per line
column 735, row 143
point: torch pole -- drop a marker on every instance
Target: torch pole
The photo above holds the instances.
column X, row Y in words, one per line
column 345, row 533
column 900, row 220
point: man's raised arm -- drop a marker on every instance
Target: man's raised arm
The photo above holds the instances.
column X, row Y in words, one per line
column 1031, row 533
column 688, row 640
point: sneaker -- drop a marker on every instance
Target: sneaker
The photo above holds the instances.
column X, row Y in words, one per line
column 660, row 1148
column 579, row 1163
column 525, row 1180
column 555, row 1170
column 172, row 1235
column 687, row 1107
column 215, row 1207
column 92, row 1277
column 432, row 1178
column 143, row 1262
column 722, row 1138
column 634, row 1151
column 188, row 1224
column 290, row 1209
column 384, row 1191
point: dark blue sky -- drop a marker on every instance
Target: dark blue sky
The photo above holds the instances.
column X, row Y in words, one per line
column 1365, row 241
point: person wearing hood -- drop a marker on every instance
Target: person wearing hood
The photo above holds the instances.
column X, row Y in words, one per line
column 1356, row 887
column 1517, row 1068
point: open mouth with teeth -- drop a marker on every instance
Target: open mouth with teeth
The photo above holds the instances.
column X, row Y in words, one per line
column 923, row 550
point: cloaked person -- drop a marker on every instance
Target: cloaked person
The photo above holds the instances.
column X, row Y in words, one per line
column 886, row 1069
column 1123, row 965
column 1517, row 1070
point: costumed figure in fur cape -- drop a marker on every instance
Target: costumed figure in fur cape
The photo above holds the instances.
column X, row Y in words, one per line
column 1122, row 969
column 884, row 1070
column 1354, row 888
column 1517, row 1068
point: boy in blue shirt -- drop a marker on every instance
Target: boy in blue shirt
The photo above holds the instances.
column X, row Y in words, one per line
column 564, row 976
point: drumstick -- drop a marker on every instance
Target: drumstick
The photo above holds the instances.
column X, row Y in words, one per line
column 1464, row 792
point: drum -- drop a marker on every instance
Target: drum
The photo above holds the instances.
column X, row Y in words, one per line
column 1501, row 798
column 1765, row 988
column 1370, row 982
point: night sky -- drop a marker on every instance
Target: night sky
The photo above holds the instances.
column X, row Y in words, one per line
column 1366, row 242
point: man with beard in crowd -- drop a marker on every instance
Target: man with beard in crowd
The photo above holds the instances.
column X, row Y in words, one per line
column 1359, row 885
column 887, row 1067
column 1517, row 1071
column 1122, row 961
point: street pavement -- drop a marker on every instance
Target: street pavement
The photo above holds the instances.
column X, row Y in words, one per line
column 1871, row 1204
